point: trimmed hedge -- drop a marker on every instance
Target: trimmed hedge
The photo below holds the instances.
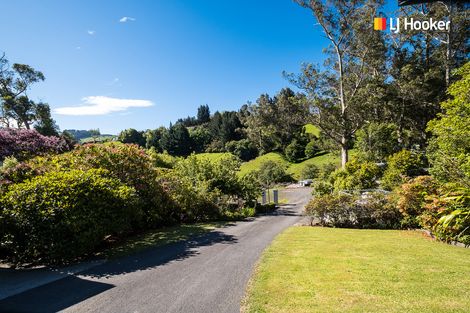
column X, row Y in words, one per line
column 59, row 216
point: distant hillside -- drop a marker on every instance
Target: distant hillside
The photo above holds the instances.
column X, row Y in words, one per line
column 82, row 134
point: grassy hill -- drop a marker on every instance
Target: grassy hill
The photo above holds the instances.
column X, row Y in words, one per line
column 295, row 169
column 97, row 139
column 212, row 156
column 256, row 163
column 312, row 129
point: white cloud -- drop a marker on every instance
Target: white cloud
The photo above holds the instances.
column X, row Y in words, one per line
column 101, row 105
column 91, row 32
column 125, row 19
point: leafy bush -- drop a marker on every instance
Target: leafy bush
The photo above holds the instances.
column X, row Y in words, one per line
column 326, row 170
column 356, row 175
column 447, row 214
column 377, row 141
column 311, row 149
column 205, row 189
column 401, row 166
column 412, row 198
column 310, row 171
column 163, row 160
column 62, row 215
column 345, row 210
column 449, row 150
column 25, row 143
column 244, row 149
column 321, row 188
column 295, row 151
column 271, row 172
column 128, row 163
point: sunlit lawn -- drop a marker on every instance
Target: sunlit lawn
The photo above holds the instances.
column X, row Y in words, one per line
column 312, row 269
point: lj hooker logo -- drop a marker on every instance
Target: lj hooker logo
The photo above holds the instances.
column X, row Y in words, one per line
column 398, row 24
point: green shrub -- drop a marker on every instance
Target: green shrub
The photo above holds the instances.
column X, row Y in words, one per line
column 128, row 163
column 311, row 149
column 447, row 214
column 412, row 198
column 344, row 210
column 272, row 172
column 59, row 216
column 355, row 176
column 244, row 149
column 310, row 171
column 206, row 189
column 163, row 160
column 321, row 188
column 400, row 167
column 326, row 170
column 377, row 141
column 295, row 151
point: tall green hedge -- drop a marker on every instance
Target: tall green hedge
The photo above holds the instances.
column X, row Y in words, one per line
column 62, row 215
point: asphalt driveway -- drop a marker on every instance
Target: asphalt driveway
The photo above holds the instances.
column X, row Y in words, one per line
column 206, row 274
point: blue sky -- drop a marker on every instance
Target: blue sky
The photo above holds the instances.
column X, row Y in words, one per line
column 142, row 64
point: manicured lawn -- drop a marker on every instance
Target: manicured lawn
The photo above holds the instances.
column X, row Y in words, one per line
column 312, row 269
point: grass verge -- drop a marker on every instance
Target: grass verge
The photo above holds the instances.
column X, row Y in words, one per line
column 312, row 269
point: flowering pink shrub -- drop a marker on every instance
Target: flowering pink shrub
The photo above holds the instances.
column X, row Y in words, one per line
column 26, row 143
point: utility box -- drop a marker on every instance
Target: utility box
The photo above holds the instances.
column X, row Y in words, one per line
column 276, row 196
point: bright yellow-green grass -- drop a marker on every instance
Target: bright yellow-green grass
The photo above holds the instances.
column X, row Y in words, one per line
column 296, row 168
column 292, row 168
column 256, row 163
column 213, row 156
column 312, row 129
column 313, row 269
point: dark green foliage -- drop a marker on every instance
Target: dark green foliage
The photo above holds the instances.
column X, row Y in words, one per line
column 377, row 141
column 400, row 167
column 271, row 172
column 200, row 138
column 244, row 149
column 310, row 171
column 176, row 140
column 59, row 216
column 344, row 210
column 45, row 125
column 311, row 149
column 321, row 188
column 203, row 114
column 326, row 170
column 132, row 136
column 225, row 126
column 272, row 123
column 295, row 151
column 152, row 138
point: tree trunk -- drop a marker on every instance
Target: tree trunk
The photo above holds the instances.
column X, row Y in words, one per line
column 344, row 152
column 449, row 44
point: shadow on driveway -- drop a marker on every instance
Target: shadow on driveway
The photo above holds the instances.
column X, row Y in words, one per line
column 71, row 290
